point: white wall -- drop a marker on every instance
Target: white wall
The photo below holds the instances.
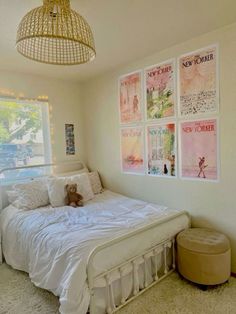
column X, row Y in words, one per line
column 210, row 204
column 64, row 103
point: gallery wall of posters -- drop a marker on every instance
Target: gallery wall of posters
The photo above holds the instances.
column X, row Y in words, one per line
column 132, row 150
column 70, row 139
column 198, row 82
column 199, row 149
column 148, row 101
column 160, row 91
column 130, row 102
column 161, row 146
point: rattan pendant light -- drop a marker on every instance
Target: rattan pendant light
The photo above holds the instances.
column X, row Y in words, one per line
column 55, row 34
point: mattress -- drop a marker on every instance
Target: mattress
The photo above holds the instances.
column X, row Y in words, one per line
column 53, row 245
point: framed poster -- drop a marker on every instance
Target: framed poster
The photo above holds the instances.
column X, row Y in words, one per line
column 161, row 150
column 160, row 92
column 70, row 139
column 132, row 150
column 199, row 82
column 199, row 149
column 130, row 98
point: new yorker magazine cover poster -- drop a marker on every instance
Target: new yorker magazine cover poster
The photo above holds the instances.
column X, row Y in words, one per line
column 199, row 149
column 198, row 82
column 132, row 150
column 130, row 88
column 161, row 150
column 160, row 91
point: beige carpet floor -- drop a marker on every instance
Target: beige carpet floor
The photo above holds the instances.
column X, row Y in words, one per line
column 171, row 296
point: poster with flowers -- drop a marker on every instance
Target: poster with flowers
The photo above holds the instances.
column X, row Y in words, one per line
column 160, row 91
column 130, row 100
column 132, row 150
column 161, row 144
column 198, row 82
column 199, row 149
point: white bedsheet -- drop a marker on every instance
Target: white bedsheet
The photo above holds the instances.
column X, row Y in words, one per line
column 53, row 244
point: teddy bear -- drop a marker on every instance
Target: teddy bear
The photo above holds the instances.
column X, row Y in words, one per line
column 73, row 198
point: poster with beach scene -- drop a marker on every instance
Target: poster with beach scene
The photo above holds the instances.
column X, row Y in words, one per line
column 132, row 150
column 198, row 82
column 130, row 100
column 161, row 147
column 160, row 90
column 199, row 149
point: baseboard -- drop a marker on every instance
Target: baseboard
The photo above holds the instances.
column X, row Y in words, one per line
column 233, row 275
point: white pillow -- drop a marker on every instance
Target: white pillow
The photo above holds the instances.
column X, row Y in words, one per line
column 83, row 186
column 95, row 182
column 12, row 196
column 57, row 192
column 30, row 195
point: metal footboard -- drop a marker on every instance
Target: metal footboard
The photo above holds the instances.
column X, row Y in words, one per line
column 152, row 254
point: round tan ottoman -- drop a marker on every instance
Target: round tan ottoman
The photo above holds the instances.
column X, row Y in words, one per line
column 204, row 256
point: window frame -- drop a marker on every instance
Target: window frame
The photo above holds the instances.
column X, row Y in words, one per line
column 46, row 128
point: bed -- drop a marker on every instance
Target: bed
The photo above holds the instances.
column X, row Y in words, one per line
column 96, row 258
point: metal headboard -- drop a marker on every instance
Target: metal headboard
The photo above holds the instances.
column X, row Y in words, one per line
column 55, row 168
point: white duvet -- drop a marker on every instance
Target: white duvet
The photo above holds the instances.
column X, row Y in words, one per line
column 53, row 244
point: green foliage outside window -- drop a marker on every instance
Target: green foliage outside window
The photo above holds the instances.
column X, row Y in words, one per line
column 11, row 113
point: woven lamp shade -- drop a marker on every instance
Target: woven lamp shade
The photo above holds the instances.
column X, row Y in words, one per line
column 55, row 34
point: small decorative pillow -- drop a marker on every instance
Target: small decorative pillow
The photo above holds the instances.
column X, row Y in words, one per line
column 83, row 186
column 12, row 196
column 56, row 190
column 95, row 182
column 30, row 195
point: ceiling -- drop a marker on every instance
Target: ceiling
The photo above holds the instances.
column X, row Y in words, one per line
column 124, row 31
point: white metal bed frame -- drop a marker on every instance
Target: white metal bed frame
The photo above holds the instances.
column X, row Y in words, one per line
column 152, row 253
column 158, row 250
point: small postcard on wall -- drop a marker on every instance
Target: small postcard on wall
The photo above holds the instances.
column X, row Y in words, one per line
column 130, row 100
column 199, row 149
column 198, row 82
column 161, row 146
column 70, row 139
column 160, row 91
column 132, row 150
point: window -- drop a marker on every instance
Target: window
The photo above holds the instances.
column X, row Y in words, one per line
column 24, row 136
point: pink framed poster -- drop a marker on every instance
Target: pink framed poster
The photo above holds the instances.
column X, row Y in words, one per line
column 132, row 150
column 199, row 82
column 130, row 98
column 199, row 149
column 160, row 91
column 161, row 150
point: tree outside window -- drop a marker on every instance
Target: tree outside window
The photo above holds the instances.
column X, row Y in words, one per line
column 24, row 134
